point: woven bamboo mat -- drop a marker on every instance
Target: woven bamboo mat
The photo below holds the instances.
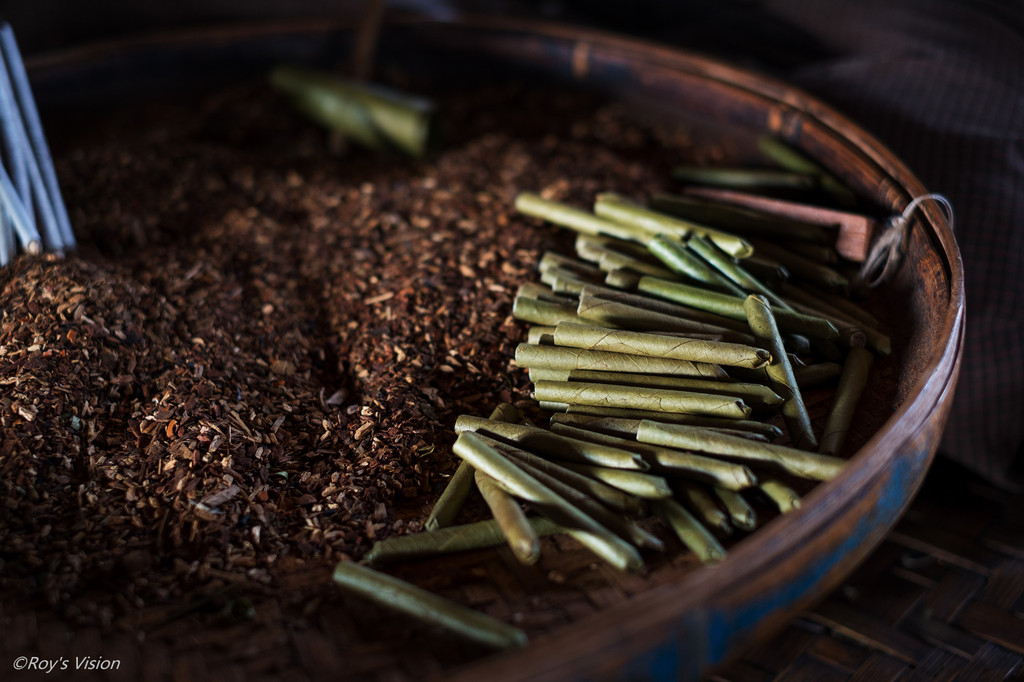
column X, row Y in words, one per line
column 941, row 599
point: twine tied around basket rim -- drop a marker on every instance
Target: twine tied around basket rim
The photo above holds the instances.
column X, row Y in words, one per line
column 886, row 254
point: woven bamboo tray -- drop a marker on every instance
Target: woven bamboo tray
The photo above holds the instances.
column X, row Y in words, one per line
column 680, row 620
column 942, row 598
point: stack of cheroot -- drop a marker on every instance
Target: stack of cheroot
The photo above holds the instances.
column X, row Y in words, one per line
column 664, row 351
column 32, row 213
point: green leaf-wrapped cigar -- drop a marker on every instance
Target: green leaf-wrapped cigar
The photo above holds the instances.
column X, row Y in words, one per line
column 794, row 160
column 519, row 534
column 721, row 262
column 740, row 220
column 543, row 312
column 624, row 316
column 567, row 282
column 613, row 260
column 689, row 530
column 606, row 494
column 538, row 291
column 699, row 499
column 741, row 514
column 646, row 486
column 784, row 497
column 731, row 307
column 768, row 430
column 596, row 537
column 809, row 465
column 555, row 357
column 541, row 335
column 552, row 260
column 657, row 305
column 818, row 374
column 397, row 594
column 540, row 440
column 748, row 178
column 621, row 526
column 640, row 398
column 802, row 267
column 455, row 493
column 376, row 117
column 669, row 461
column 756, row 395
column 573, row 218
column 451, row 539
column 624, row 427
column 852, row 382
column 660, row 345
column 801, row 298
column 677, row 257
column 621, row 210
column 762, row 324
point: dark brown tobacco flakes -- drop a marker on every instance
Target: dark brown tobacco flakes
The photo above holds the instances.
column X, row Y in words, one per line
column 260, row 350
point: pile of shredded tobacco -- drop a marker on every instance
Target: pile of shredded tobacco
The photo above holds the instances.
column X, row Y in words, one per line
column 257, row 355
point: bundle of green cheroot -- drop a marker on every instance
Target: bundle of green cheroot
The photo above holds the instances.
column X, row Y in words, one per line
column 669, row 353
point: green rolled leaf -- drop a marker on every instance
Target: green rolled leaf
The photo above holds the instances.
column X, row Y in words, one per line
column 780, row 372
column 663, row 307
column 783, row 496
column 811, row 376
column 797, row 161
column 519, row 534
column 461, row 483
column 800, row 463
column 852, row 382
column 546, row 313
column 373, row 116
column 756, row 395
column 618, row 209
column 397, row 594
column 705, row 506
column 804, row 300
column 763, row 428
column 802, row 267
column 744, row 221
column 555, row 357
column 741, row 514
column 613, row 314
column 451, row 500
column 669, row 461
column 448, row 540
column 607, row 495
column 570, row 217
column 731, row 307
column 610, row 259
column 621, row 526
column 640, row 398
column 721, row 262
column 596, row 537
column 627, row 426
column 543, row 441
column 649, row 344
column 689, row 530
column 646, row 486
column 677, row 257
column 552, row 260
column 745, row 178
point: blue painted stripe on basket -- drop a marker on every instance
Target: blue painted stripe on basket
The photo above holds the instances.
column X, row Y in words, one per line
column 702, row 640
column 725, row 628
